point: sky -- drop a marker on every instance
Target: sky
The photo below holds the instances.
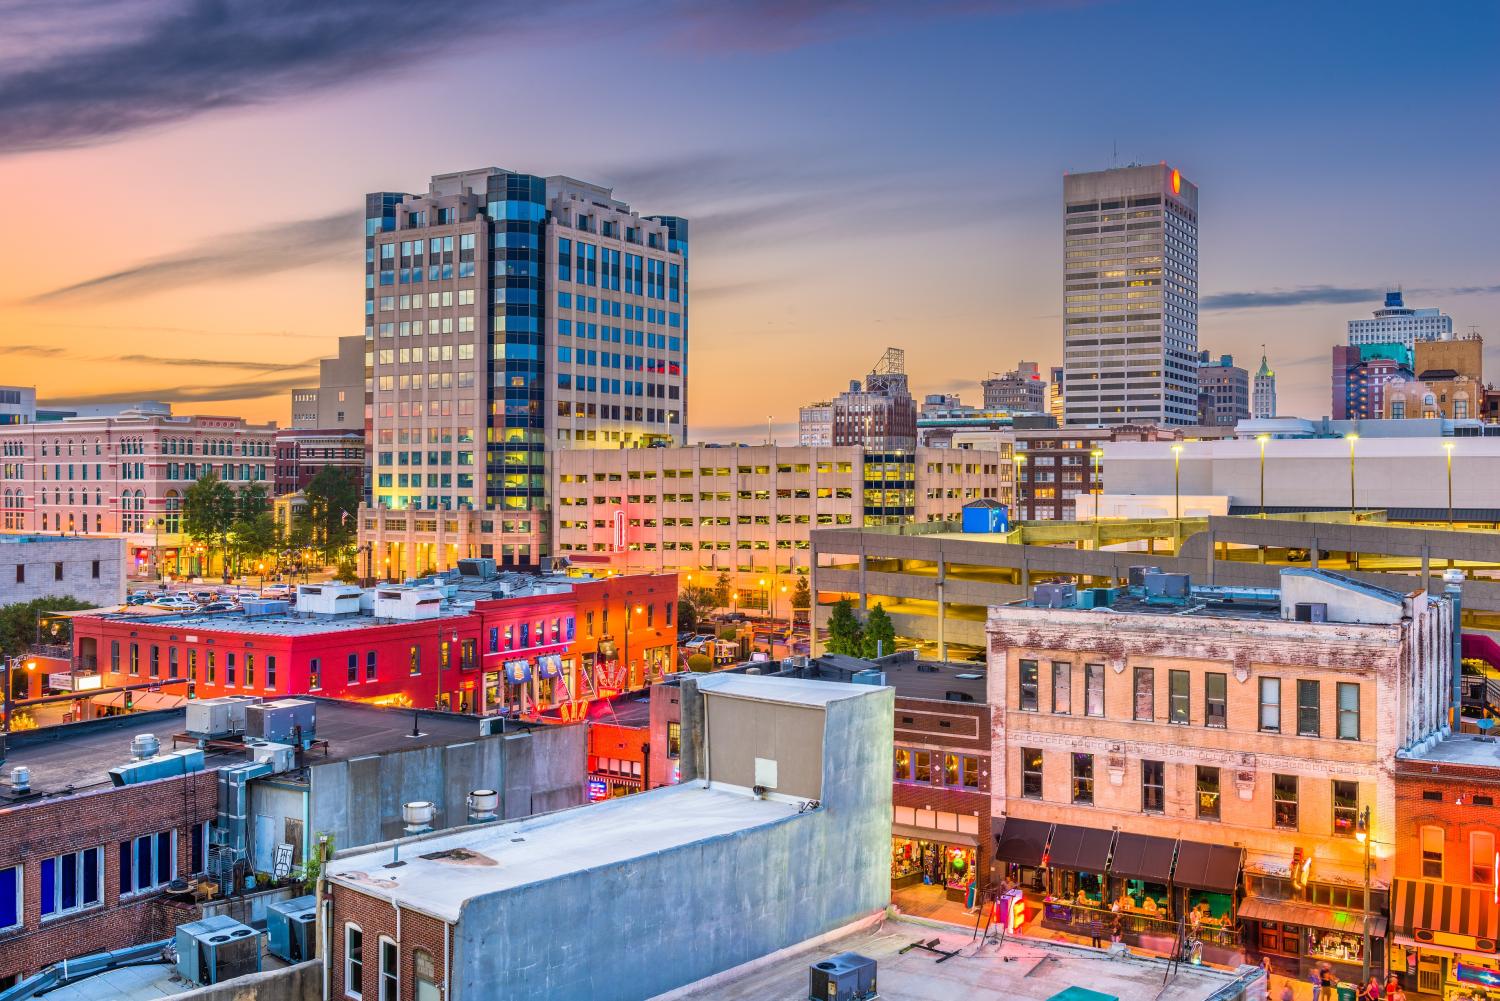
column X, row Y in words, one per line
column 184, row 178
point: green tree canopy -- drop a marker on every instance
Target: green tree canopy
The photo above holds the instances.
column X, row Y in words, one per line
column 332, row 509
column 844, row 631
column 722, row 590
column 208, row 509
column 879, row 636
column 801, row 594
column 18, row 622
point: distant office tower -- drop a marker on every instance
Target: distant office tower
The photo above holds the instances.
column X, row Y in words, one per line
column 1130, row 270
column 1055, row 394
column 338, row 400
column 880, row 414
column 1223, row 390
column 1263, row 394
column 1396, row 323
column 1361, row 375
column 509, row 314
column 1019, row 391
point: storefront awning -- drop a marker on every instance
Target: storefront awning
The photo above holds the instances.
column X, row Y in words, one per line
column 931, row 834
column 1294, row 912
column 141, row 702
column 1215, row 868
column 1080, row 849
column 1141, row 856
column 1418, row 906
column 1023, row 842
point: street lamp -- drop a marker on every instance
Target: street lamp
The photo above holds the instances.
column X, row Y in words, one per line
column 1096, row 484
column 1177, row 483
column 1448, row 447
column 1362, row 832
column 770, row 598
column 1262, row 439
column 1352, row 439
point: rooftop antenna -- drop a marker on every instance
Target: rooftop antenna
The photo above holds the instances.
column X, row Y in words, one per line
column 1114, row 152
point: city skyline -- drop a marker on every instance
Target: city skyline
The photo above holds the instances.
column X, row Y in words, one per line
column 218, row 236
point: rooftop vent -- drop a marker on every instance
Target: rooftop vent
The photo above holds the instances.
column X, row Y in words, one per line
column 20, row 780
column 144, row 745
column 482, row 805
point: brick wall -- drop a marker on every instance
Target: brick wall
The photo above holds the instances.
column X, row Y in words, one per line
column 375, row 918
column 942, row 726
column 32, row 832
column 1460, row 810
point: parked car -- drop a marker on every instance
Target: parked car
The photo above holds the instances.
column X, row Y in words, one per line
column 219, row 606
column 201, row 596
column 175, row 603
column 275, row 590
column 137, row 599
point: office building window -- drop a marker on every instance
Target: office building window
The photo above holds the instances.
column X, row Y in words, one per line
column 1284, row 801
column 72, row 882
column 1216, row 700
column 1145, row 694
column 1179, row 702
column 1062, row 687
column 1093, row 686
column 1153, row 787
column 1208, row 793
column 148, row 862
column 1348, row 699
column 1345, row 808
column 1083, row 778
column 1031, row 773
column 1270, row 705
column 1030, row 682
column 1308, row 709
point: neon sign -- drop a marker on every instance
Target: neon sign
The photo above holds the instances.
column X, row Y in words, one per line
column 598, row 790
column 1176, row 183
column 1466, row 974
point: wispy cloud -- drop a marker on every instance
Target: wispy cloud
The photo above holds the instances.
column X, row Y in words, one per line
column 32, row 350
column 246, row 254
column 195, row 393
column 248, row 366
column 1322, row 295
column 77, row 72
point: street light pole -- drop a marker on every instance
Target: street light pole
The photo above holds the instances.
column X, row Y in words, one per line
column 1364, row 833
column 1262, row 439
column 1448, row 447
column 1351, row 439
column 1177, row 485
column 1096, row 487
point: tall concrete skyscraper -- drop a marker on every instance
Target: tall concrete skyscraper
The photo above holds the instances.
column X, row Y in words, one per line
column 1130, row 309
column 507, row 315
column 1398, row 323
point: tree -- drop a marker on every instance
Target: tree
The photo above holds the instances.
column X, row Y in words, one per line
column 251, row 501
column 844, row 632
column 700, row 663
column 254, row 536
column 18, row 622
column 722, row 590
column 332, row 507
column 880, row 634
column 687, row 610
column 801, row 594
column 208, row 511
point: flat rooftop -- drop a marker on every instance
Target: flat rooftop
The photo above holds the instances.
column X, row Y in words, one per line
column 444, row 871
column 288, row 624
column 1459, row 749
column 80, row 755
column 1018, row 970
column 627, row 710
column 1198, row 605
column 929, row 680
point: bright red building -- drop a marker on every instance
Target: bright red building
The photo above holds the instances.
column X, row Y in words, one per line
column 550, row 648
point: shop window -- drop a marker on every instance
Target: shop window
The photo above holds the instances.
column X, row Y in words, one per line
column 1284, row 801
column 1145, row 694
column 1083, row 778
column 953, row 771
column 971, row 773
column 1062, row 687
column 1029, row 680
column 1482, row 857
column 1345, row 808
column 902, row 769
column 1093, row 685
column 1216, row 700
column 922, row 766
column 1179, row 697
column 1031, row 773
column 1208, row 793
column 674, row 740
column 1308, row 709
column 1153, row 787
column 1270, row 705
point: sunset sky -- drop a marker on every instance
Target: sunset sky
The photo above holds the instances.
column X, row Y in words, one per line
column 183, row 180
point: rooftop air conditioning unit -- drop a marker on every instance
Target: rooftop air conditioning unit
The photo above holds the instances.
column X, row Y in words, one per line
column 1055, row 595
column 1167, row 585
column 1137, row 575
column 216, row 949
column 290, row 928
column 281, row 757
column 845, row 977
column 282, row 720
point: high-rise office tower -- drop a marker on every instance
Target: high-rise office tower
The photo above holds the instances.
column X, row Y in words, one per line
column 1130, row 310
column 1223, row 391
column 1263, row 396
column 1398, row 323
column 1018, row 391
column 507, row 315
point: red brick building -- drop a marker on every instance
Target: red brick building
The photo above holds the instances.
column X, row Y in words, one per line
column 554, row 647
column 63, row 889
column 1445, row 901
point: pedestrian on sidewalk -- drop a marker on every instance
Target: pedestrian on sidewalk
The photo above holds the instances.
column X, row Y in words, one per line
column 1287, row 994
column 1096, row 932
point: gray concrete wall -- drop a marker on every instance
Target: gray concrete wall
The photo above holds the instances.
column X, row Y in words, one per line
column 600, row 934
column 358, row 801
column 303, row 982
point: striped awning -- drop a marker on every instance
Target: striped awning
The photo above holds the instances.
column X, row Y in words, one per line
column 1420, row 906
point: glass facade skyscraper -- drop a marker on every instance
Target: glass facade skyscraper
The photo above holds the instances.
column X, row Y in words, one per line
column 506, row 315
